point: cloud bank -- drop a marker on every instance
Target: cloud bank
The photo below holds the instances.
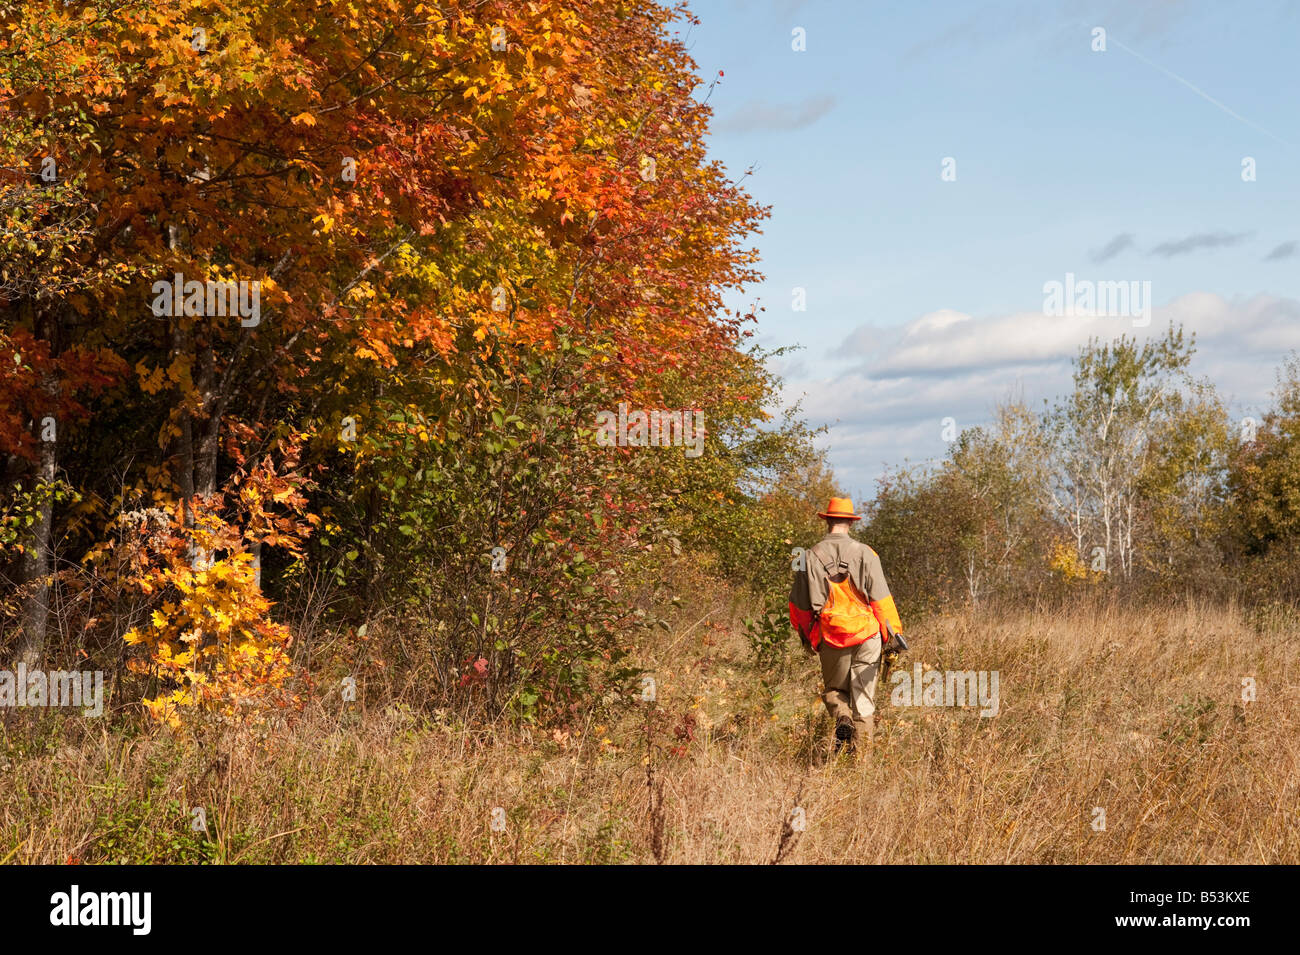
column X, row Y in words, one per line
column 886, row 391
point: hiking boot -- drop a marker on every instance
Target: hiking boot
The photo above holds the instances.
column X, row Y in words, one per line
column 843, row 732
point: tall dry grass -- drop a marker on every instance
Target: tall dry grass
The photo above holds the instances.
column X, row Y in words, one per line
column 1138, row 712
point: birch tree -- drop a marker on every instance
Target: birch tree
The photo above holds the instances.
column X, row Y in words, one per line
column 1103, row 435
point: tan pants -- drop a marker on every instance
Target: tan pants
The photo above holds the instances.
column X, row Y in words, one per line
column 850, row 677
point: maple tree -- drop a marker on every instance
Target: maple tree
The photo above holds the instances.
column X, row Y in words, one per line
column 465, row 228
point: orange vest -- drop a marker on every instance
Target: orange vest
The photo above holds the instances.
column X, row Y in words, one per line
column 846, row 618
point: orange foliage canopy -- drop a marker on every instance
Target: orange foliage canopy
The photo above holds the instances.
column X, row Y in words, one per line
column 413, row 188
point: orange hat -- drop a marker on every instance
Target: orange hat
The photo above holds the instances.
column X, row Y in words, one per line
column 840, row 508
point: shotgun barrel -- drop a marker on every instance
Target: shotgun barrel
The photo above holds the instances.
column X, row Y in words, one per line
column 895, row 643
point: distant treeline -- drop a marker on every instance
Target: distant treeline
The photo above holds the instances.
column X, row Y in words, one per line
column 1138, row 480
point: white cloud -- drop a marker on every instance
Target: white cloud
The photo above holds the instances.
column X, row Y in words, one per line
column 898, row 384
column 761, row 115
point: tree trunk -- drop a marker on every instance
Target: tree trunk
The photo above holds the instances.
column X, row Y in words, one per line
column 36, row 556
column 36, row 563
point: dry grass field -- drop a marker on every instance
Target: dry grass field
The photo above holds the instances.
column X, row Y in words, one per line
column 1136, row 712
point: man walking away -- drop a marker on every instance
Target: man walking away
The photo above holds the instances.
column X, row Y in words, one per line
column 841, row 606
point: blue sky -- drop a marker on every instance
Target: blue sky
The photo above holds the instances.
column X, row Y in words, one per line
column 925, row 297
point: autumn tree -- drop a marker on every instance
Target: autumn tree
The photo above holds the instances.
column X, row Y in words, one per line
column 455, row 231
column 1103, row 435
